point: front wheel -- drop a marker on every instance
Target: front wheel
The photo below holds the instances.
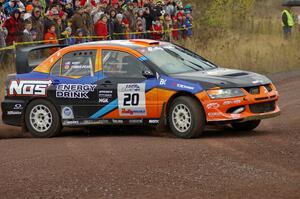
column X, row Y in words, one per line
column 186, row 117
column 42, row 119
column 246, row 126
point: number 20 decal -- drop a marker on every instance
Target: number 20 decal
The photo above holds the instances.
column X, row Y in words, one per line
column 131, row 99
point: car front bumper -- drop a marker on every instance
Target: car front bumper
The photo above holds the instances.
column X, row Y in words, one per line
column 239, row 109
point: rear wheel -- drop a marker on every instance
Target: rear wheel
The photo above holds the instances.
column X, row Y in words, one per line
column 246, row 126
column 42, row 119
column 186, row 117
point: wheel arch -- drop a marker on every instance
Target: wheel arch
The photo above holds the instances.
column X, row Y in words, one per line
column 167, row 105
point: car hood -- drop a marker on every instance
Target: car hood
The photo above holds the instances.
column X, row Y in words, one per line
column 224, row 78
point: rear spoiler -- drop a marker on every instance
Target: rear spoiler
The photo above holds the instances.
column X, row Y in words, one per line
column 23, row 53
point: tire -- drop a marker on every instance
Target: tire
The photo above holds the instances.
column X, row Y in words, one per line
column 186, row 117
column 246, row 126
column 42, row 119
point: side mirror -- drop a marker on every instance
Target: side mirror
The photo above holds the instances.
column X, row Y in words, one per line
column 148, row 74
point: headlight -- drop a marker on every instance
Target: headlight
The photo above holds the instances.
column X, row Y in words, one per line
column 225, row 93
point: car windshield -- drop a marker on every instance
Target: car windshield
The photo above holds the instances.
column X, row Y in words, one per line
column 173, row 59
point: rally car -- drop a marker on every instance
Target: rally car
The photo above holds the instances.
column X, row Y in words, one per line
column 132, row 82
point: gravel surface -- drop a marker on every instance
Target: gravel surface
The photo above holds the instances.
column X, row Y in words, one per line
column 142, row 163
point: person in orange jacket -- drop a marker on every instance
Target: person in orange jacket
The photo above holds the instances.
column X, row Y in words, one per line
column 50, row 38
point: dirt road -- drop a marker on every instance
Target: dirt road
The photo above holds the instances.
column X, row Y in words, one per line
column 134, row 163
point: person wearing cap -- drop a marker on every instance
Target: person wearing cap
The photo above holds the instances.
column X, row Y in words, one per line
column 14, row 27
column 48, row 21
column 101, row 28
column 29, row 10
column 287, row 21
column 11, row 5
column 130, row 15
column 88, row 21
column 37, row 24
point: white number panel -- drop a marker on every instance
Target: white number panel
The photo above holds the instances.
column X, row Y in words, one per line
column 131, row 99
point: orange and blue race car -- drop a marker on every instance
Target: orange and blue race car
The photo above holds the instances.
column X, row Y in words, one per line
column 142, row 82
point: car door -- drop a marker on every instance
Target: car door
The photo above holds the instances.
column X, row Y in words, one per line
column 74, row 84
column 123, row 91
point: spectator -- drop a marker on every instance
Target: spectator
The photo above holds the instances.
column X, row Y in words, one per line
column 167, row 26
column 27, row 35
column 157, row 29
column 11, row 5
column 101, row 28
column 14, row 27
column 80, row 37
column 119, row 27
column 50, row 38
column 38, row 24
column 88, row 21
column 130, row 16
column 77, row 19
column 111, row 22
column 49, row 21
column 28, row 14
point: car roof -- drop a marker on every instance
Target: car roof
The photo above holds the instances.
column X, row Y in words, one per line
column 132, row 43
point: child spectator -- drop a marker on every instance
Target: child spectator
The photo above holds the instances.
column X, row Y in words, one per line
column 181, row 26
column 50, row 38
column 80, row 37
column 67, row 34
column 157, row 30
column 101, row 28
column 27, row 35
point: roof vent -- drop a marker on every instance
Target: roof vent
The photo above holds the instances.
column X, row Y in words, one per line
column 145, row 41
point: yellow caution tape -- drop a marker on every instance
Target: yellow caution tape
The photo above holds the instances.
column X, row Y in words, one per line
column 13, row 47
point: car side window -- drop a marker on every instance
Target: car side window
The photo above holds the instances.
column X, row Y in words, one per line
column 121, row 64
column 78, row 63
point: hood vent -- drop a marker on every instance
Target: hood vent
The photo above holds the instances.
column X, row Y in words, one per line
column 236, row 74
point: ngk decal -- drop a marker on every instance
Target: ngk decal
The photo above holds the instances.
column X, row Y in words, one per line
column 29, row 87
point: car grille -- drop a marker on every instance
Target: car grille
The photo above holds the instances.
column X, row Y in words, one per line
column 263, row 107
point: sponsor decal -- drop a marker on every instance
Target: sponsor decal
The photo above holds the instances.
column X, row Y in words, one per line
column 74, row 91
column 132, row 112
column 184, row 86
column 18, row 107
column 71, row 122
column 226, row 103
column 153, row 121
column 14, row 112
column 67, row 112
column 213, row 106
column 214, row 114
column 117, row 121
column 163, row 82
column 105, row 93
column 103, row 100
column 135, row 121
column 131, row 99
column 29, row 87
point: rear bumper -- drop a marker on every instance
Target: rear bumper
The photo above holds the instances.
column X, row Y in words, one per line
column 12, row 112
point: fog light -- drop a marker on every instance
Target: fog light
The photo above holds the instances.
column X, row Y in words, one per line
column 239, row 110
